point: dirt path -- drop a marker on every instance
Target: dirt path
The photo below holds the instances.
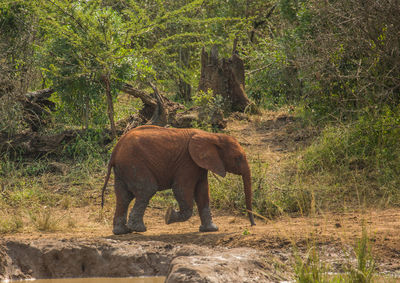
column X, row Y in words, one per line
column 270, row 139
column 334, row 234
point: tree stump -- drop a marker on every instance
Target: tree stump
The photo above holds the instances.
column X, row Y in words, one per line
column 224, row 77
column 37, row 108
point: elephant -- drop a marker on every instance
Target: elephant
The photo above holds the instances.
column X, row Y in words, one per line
column 149, row 158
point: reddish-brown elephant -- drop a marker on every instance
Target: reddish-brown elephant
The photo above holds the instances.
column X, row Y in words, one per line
column 148, row 159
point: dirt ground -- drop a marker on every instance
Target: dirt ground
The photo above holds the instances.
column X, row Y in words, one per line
column 270, row 139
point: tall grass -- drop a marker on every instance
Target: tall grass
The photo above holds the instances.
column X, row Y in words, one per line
column 361, row 159
column 365, row 269
column 272, row 196
column 44, row 219
column 311, row 269
column 72, row 179
column 10, row 222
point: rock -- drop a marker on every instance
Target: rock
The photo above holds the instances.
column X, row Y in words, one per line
column 234, row 265
column 50, row 258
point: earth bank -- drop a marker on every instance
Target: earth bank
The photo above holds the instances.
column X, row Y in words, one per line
column 66, row 258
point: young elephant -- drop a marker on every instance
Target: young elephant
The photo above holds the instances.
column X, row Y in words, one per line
column 148, row 159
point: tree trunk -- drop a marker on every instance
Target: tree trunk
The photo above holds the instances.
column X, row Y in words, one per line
column 184, row 88
column 224, row 77
column 110, row 105
column 160, row 115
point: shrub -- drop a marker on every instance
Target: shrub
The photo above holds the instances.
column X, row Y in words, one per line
column 367, row 148
column 211, row 109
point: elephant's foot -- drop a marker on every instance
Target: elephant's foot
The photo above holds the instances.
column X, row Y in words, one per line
column 121, row 229
column 211, row 227
column 137, row 226
column 170, row 216
column 173, row 216
column 207, row 224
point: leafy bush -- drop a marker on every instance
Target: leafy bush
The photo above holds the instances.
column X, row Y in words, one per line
column 210, row 109
column 269, row 199
column 368, row 146
column 86, row 146
column 347, row 54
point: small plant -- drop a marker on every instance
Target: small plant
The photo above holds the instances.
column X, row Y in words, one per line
column 43, row 219
column 86, row 146
column 365, row 269
column 10, row 224
column 71, row 222
column 311, row 269
column 211, row 109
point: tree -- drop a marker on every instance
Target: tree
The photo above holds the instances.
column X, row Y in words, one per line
column 18, row 35
column 89, row 54
column 94, row 46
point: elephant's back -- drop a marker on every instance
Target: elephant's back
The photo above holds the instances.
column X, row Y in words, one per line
column 154, row 144
column 151, row 134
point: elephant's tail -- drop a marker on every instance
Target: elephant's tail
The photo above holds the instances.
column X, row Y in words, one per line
column 110, row 165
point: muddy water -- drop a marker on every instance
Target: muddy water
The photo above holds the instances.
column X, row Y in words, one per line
column 159, row 279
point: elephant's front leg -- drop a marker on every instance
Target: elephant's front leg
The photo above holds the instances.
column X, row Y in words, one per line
column 203, row 205
column 184, row 198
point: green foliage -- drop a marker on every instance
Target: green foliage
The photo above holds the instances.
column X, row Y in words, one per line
column 210, row 109
column 273, row 78
column 275, row 83
column 11, row 116
column 87, row 46
column 269, row 199
column 346, row 68
column 86, row 147
column 368, row 146
column 365, row 269
column 17, row 27
column 312, row 269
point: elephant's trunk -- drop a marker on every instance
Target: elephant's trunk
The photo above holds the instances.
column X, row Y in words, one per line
column 246, row 176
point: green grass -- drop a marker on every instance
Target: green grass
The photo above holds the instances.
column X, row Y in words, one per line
column 10, row 222
column 311, row 269
column 273, row 195
column 359, row 161
column 34, row 188
column 347, row 166
column 44, row 219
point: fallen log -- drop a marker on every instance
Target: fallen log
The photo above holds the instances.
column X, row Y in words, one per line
column 157, row 110
column 37, row 108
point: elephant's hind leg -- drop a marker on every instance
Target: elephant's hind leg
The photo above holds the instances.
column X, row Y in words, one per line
column 185, row 201
column 135, row 222
column 123, row 199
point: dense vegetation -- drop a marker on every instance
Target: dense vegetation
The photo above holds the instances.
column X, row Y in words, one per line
column 335, row 63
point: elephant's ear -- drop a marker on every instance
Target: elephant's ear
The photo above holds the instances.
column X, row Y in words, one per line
column 204, row 152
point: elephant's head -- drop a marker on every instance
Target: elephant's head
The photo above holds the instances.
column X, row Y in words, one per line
column 220, row 154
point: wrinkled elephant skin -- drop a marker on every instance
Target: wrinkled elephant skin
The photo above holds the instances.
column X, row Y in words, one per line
column 148, row 159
